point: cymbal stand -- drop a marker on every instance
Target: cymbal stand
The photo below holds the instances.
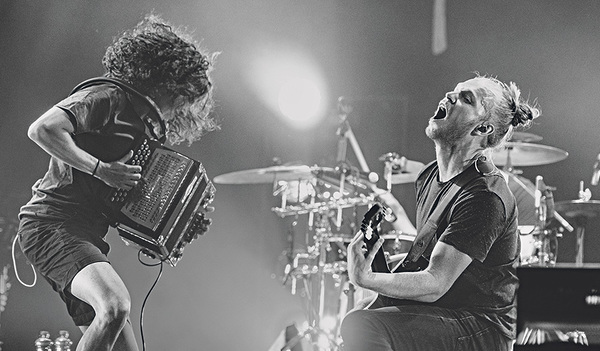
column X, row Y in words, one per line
column 545, row 235
column 345, row 135
column 584, row 195
column 511, row 172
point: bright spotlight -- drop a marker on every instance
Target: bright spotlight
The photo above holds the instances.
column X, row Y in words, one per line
column 289, row 82
column 300, row 100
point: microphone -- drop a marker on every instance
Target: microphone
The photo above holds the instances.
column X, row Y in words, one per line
column 596, row 174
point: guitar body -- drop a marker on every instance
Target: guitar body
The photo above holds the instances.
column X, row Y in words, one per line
column 369, row 228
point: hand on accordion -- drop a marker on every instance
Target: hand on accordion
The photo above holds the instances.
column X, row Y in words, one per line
column 119, row 174
column 200, row 226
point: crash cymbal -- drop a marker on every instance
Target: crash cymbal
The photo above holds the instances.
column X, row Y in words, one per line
column 266, row 175
column 525, row 137
column 578, row 208
column 526, row 154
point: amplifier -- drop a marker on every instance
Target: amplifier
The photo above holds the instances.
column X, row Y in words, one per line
column 166, row 210
column 559, row 300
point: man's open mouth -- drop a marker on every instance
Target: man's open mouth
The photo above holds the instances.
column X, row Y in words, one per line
column 440, row 113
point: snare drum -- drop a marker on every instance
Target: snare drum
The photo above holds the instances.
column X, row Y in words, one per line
column 396, row 245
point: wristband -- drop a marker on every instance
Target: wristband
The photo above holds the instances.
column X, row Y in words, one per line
column 96, row 168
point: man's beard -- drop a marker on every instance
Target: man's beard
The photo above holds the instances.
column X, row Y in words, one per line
column 450, row 134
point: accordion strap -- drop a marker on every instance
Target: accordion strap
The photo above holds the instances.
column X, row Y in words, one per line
column 156, row 116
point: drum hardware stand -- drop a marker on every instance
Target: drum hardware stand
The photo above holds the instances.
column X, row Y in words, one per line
column 290, row 256
column 584, row 195
column 316, row 307
column 345, row 135
column 512, row 174
column 546, row 238
column 392, row 161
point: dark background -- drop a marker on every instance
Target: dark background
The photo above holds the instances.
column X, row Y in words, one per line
column 226, row 293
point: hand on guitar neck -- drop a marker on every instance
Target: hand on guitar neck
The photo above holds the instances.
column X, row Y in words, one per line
column 364, row 247
column 370, row 233
column 366, row 257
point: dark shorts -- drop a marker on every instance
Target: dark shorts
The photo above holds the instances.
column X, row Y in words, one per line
column 59, row 249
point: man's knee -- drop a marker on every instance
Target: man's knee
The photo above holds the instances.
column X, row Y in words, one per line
column 115, row 310
column 353, row 322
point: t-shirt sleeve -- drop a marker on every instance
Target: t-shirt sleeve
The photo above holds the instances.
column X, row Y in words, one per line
column 91, row 108
column 475, row 223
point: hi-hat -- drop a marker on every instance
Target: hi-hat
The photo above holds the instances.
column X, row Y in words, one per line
column 525, row 137
column 526, row 154
column 578, row 208
column 402, row 170
column 266, row 175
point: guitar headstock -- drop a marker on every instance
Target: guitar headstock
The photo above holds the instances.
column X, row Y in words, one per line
column 370, row 222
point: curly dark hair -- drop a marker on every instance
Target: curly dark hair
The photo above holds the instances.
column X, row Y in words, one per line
column 163, row 61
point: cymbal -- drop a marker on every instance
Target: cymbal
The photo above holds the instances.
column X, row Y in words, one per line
column 403, row 178
column 525, row 137
column 266, row 175
column 526, row 154
column 578, row 208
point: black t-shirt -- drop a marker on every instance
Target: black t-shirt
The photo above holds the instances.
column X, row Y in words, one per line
column 107, row 123
column 481, row 223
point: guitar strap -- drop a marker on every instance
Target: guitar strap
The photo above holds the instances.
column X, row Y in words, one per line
column 481, row 167
column 154, row 115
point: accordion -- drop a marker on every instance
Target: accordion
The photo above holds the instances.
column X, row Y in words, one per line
column 166, row 209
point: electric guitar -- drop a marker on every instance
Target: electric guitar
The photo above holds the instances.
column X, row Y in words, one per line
column 370, row 229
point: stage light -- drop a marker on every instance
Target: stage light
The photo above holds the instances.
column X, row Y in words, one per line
column 300, row 100
column 289, row 82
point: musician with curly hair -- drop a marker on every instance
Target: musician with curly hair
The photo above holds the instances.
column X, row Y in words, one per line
column 156, row 83
column 456, row 289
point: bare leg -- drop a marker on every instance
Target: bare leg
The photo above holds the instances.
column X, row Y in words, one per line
column 100, row 286
column 125, row 341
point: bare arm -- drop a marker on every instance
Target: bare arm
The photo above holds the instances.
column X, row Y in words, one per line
column 52, row 132
column 446, row 265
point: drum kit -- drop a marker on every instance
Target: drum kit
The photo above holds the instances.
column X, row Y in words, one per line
column 323, row 196
column 318, row 271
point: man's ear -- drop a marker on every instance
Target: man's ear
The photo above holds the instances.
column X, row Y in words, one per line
column 483, row 129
